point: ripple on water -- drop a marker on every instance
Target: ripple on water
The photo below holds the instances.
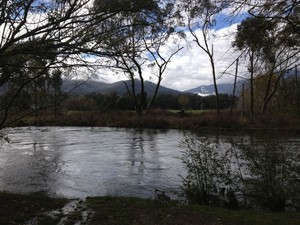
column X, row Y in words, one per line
column 83, row 161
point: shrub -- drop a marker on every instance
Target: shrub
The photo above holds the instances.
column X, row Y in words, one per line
column 263, row 175
column 208, row 171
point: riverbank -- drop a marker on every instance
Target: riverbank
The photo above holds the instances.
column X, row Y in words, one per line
column 163, row 119
column 42, row 210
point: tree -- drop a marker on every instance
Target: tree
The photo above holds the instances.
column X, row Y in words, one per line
column 56, row 83
column 252, row 45
column 286, row 11
column 138, row 45
column 285, row 98
column 270, row 52
column 33, row 31
column 22, row 75
column 62, row 31
column 183, row 101
column 201, row 17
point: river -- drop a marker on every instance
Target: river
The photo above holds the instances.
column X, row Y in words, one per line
column 77, row 162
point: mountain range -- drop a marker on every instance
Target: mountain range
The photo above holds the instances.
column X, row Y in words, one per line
column 205, row 90
column 78, row 87
column 82, row 87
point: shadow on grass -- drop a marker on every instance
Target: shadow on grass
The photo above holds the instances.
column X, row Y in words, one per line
column 111, row 210
column 18, row 209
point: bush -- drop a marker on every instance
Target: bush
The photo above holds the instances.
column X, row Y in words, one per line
column 263, row 176
column 208, row 171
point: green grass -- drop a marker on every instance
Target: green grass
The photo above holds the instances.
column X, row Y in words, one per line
column 128, row 211
column 17, row 209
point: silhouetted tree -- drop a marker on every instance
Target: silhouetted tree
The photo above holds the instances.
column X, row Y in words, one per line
column 145, row 29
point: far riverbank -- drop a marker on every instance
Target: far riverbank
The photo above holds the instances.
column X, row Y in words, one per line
column 162, row 119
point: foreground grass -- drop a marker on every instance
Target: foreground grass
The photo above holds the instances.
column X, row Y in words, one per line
column 17, row 209
column 130, row 211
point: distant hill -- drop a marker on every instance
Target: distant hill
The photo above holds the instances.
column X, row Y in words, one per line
column 81, row 87
column 227, row 88
column 206, row 90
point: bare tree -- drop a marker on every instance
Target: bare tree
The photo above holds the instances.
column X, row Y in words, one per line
column 233, row 102
column 160, row 64
column 200, row 22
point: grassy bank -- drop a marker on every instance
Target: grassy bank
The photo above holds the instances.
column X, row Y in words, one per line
column 161, row 119
column 17, row 209
column 138, row 211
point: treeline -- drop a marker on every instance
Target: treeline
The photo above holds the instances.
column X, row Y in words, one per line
column 99, row 101
column 46, row 93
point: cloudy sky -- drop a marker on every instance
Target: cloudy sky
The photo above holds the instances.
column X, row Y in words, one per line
column 191, row 67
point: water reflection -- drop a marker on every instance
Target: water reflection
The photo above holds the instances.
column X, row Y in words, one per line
column 79, row 162
column 31, row 163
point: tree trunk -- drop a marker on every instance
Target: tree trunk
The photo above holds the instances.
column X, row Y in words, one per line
column 234, row 87
column 274, row 90
column 297, row 90
column 216, row 87
column 268, row 88
column 251, row 85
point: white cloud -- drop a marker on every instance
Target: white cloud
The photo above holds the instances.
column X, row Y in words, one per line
column 192, row 68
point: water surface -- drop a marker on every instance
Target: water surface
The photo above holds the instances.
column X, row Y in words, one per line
column 80, row 162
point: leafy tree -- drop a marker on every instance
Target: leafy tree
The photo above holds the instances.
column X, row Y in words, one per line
column 283, row 101
column 288, row 94
column 124, row 103
column 183, row 101
column 145, row 29
column 56, row 83
column 166, row 101
column 79, row 103
column 286, row 11
column 269, row 53
column 253, row 44
column 60, row 31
